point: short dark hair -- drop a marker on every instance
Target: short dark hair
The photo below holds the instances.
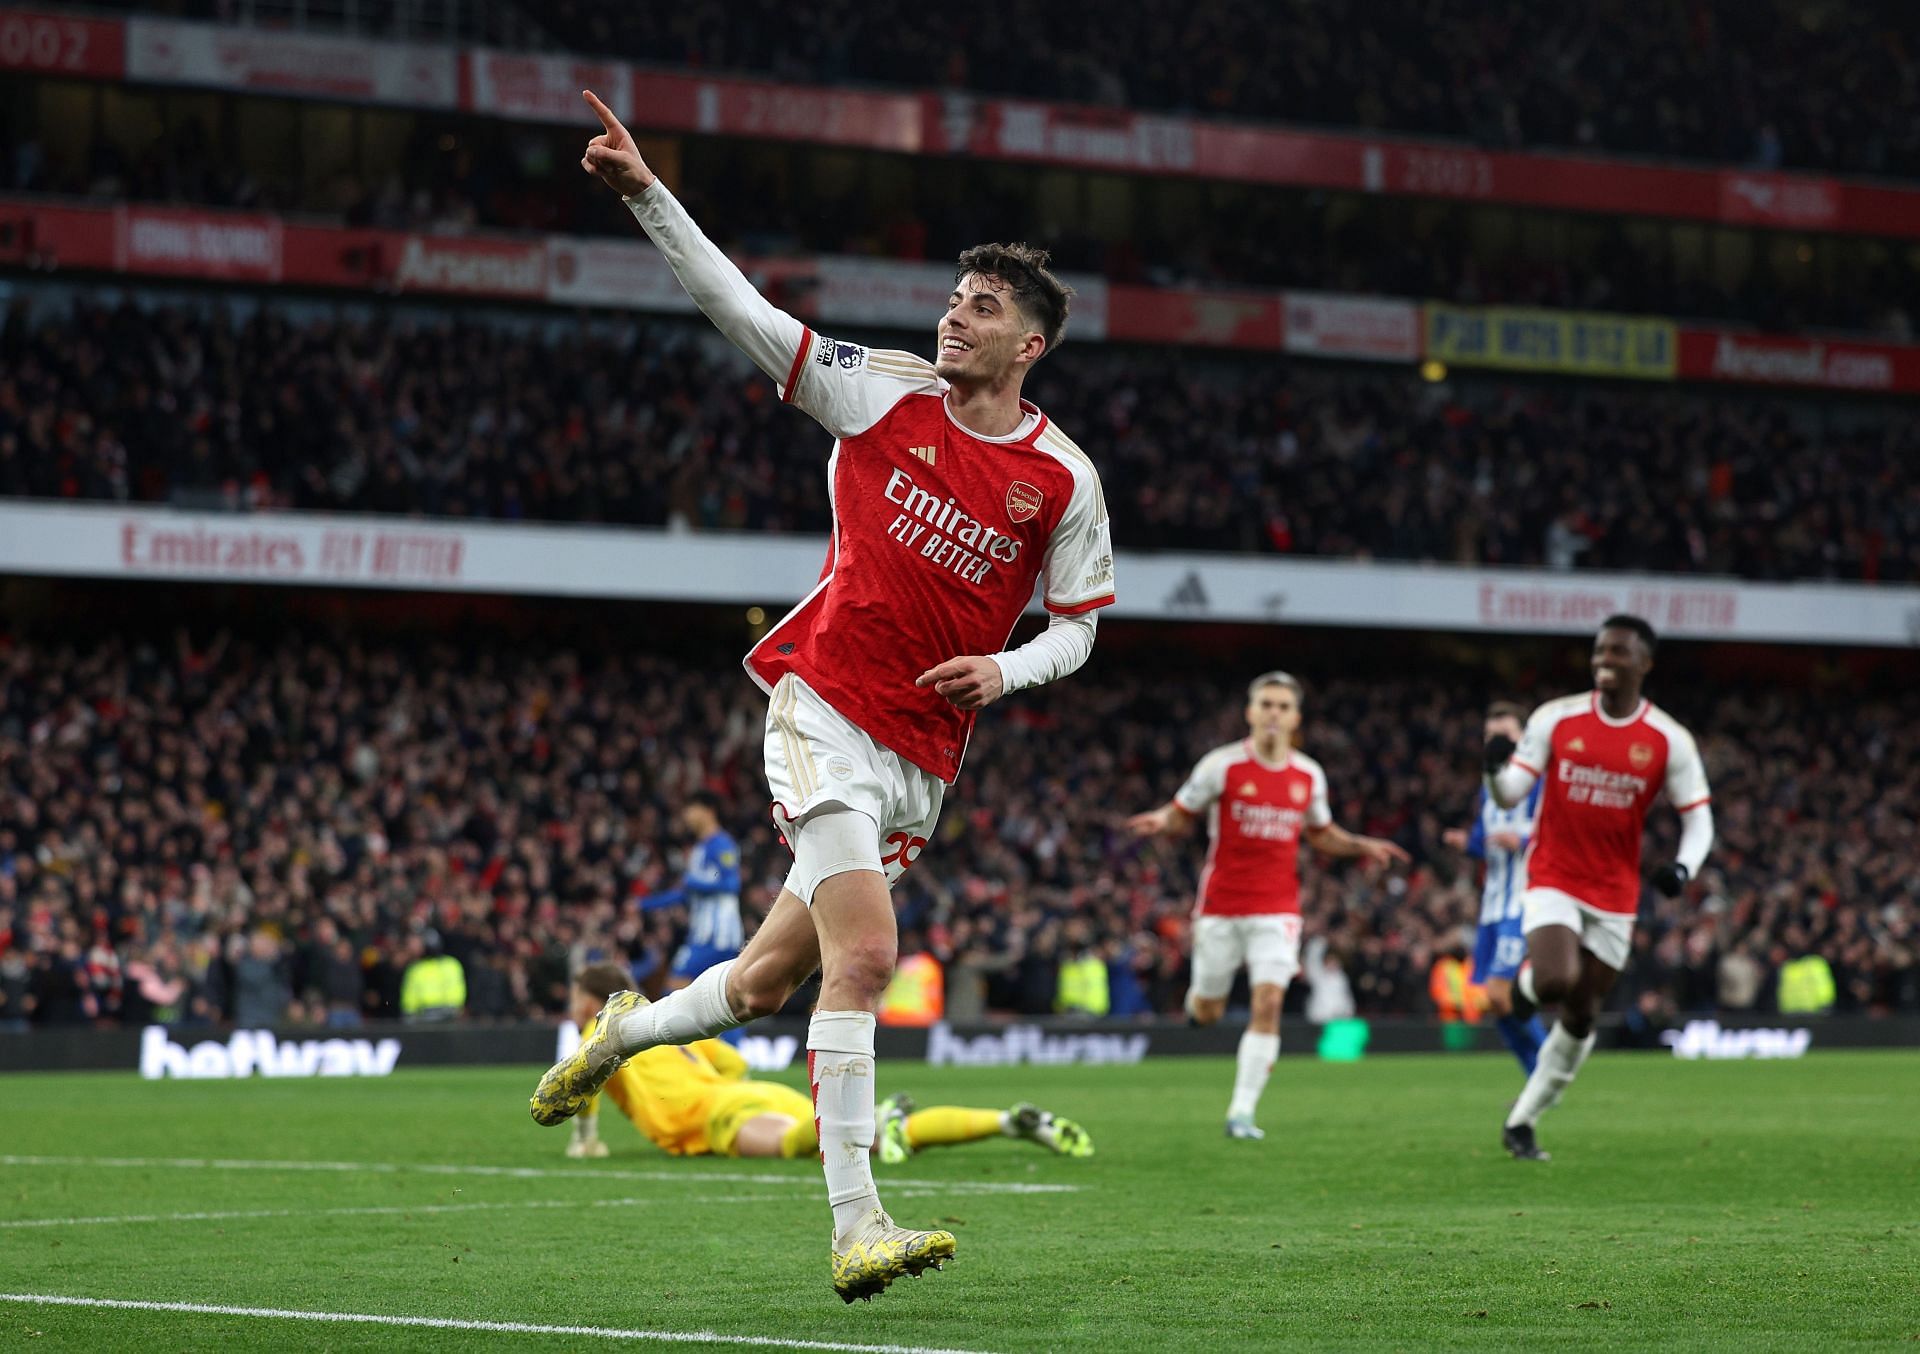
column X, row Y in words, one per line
column 1043, row 298
column 706, row 799
column 1507, row 710
column 603, row 979
column 1622, row 621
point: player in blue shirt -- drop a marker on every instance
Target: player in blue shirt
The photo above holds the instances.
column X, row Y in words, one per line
column 710, row 891
column 1500, row 838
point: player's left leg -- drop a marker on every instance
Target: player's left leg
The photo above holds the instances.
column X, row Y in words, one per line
column 1253, row 1062
column 1273, row 958
column 1605, row 942
column 782, row 955
column 906, row 1130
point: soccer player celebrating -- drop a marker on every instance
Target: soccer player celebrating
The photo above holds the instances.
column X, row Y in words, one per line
column 1499, row 838
column 952, row 498
column 697, row 1101
column 1603, row 757
column 1260, row 797
column 710, row 891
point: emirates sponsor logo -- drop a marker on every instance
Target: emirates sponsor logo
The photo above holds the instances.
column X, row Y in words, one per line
column 1023, row 501
column 1801, row 364
column 1600, row 787
column 434, row 265
column 944, row 532
column 1268, row 822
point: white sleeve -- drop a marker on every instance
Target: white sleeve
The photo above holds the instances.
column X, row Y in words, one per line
column 1513, row 782
column 1050, row 655
column 1205, row 785
column 1319, row 810
column 761, row 330
column 1696, row 837
column 848, row 388
column 1686, row 772
column 1079, row 565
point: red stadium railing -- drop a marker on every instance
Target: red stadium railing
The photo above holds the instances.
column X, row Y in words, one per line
column 262, row 249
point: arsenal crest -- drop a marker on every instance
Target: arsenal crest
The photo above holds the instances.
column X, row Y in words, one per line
column 1641, row 755
column 1023, row 501
column 1299, row 793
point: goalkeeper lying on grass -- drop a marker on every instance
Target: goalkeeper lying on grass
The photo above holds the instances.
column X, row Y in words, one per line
column 696, row 1101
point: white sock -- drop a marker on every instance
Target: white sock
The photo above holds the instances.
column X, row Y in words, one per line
column 699, row 1010
column 840, row 1066
column 586, row 1127
column 1560, row 1058
column 1257, row 1052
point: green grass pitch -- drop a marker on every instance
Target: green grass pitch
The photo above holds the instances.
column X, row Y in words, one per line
column 1690, row 1206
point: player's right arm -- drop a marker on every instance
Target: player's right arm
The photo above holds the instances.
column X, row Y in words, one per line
column 1512, row 771
column 1205, row 784
column 846, row 387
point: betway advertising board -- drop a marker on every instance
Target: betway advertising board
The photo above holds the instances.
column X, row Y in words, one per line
column 136, row 542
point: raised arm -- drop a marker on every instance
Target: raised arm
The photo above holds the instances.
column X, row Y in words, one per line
column 761, row 330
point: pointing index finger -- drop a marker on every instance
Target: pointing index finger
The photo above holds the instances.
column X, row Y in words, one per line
column 607, row 119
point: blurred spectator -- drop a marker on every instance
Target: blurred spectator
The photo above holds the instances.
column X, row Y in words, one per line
column 261, row 989
column 434, row 985
column 917, row 994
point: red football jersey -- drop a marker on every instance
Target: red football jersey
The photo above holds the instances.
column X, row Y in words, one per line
column 939, row 535
column 1255, row 813
column 1602, row 775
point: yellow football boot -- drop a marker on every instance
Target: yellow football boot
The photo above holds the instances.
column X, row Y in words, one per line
column 570, row 1083
column 879, row 1252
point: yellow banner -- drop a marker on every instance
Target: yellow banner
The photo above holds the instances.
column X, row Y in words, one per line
column 1567, row 341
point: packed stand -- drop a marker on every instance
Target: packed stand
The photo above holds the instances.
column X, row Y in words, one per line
column 662, row 425
column 291, row 829
column 1779, row 82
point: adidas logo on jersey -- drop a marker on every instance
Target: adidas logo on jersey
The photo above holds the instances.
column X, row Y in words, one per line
column 926, row 454
column 1577, row 745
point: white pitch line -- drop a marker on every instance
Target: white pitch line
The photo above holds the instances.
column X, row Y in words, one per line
column 520, row 1172
column 664, row 1337
column 375, row 1210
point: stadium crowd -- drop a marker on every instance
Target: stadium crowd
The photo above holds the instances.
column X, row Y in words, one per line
column 281, row 828
column 656, row 424
column 1770, row 82
column 1778, row 82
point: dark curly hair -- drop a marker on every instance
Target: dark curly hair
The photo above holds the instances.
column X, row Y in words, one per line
column 1043, row 298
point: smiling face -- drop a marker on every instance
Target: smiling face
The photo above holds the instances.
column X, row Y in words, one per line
column 1621, row 661
column 983, row 338
column 1273, row 713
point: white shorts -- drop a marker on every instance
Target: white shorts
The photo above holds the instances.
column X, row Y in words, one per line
column 1609, row 935
column 1269, row 946
column 818, row 759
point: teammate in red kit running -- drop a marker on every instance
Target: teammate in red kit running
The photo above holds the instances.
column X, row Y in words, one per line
column 1605, row 755
column 1260, row 797
column 952, row 497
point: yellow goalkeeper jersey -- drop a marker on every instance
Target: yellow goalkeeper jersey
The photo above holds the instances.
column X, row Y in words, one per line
column 669, row 1092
